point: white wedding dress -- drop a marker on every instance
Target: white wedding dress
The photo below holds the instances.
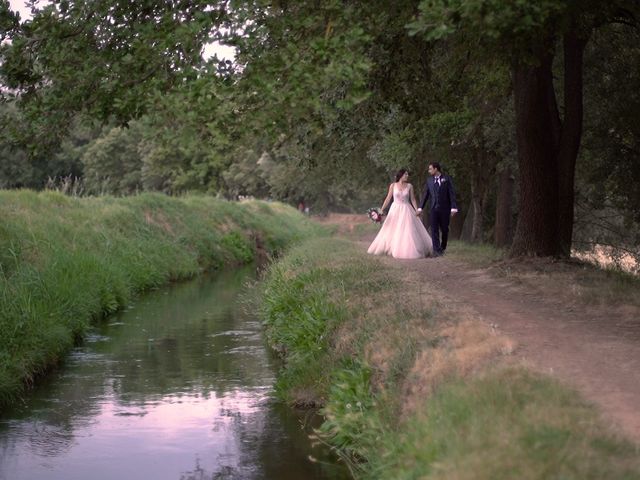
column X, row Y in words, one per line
column 402, row 234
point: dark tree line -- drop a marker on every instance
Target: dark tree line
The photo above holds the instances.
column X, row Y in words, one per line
column 531, row 106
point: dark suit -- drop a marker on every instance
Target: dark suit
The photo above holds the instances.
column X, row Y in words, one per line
column 442, row 198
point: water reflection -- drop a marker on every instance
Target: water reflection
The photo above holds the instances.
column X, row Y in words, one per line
column 177, row 387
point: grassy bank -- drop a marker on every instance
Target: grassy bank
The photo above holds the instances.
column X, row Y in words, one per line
column 413, row 387
column 65, row 261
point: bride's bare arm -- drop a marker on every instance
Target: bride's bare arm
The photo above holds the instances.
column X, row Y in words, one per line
column 388, row 199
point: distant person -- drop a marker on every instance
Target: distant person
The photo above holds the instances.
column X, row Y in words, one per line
column 442, row 205
column 301, row 206
column 402, row 234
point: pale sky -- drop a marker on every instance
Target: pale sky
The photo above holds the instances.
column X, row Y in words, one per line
column 19, row 5
column 223, row 51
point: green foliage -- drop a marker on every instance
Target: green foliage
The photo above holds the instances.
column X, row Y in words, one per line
column 515, row 26
column 9, row 20
column 449, row 127
column 21, row 166
column 298, row 320
column 398, row 140
column 103, row 57
column 248, row 174
column 351, row 423
column 16, row 170
column 112, row 163
column 188, row 135
column 238, row 247
column 283, row 83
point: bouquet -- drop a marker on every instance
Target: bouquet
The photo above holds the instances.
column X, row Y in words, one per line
column 375, row 215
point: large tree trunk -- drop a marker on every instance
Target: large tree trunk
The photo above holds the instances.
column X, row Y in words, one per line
column 504, row 209
column 537, row 229
column 547, row 151
column 570, row 137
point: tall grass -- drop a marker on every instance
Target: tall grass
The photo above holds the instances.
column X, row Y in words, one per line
column 65, row 261
column 505, row 424
column 412, row 387
column 302, row 305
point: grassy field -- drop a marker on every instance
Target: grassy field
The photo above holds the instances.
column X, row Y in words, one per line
column 412, row 387
column 67, row 261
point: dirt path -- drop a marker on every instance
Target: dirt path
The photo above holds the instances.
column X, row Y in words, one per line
column 594, row 349
column 597, row 356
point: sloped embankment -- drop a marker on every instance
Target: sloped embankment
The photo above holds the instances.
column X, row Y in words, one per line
column 65, row 261
column 413, row 387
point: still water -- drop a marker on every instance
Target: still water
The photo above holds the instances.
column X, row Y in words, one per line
column 179, row 386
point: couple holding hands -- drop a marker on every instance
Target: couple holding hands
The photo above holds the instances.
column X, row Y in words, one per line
column 402, row 234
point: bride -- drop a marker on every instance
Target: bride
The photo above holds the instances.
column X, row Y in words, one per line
column 402, row 234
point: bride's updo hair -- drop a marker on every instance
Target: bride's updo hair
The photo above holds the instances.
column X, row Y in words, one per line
column 400, row 173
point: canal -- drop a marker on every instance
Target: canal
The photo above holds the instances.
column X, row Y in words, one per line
column 178, row 386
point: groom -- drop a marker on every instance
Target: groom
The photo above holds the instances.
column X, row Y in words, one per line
column 442, row 205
